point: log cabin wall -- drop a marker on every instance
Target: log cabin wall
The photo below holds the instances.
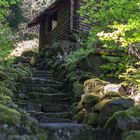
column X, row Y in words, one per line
column 82, row 25
column 63, row 23
column 74, row 17
column 67, row 20
column 77, row 21
column 42, row 40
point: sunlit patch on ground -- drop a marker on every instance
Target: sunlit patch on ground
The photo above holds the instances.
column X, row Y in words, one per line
column 24, row 46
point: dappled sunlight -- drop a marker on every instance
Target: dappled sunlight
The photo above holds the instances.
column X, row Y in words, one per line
column 25, row 46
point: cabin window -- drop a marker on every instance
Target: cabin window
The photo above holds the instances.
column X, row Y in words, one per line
column 52, row 22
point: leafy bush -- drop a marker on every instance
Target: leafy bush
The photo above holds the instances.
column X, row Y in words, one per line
column 76, row 55
column 6, row 35
column 115, row 31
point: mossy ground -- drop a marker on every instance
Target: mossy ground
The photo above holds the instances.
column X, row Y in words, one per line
column 89, row 98
column 129, row 114
column 132, row 135
column 9, row 116
column 92, row 119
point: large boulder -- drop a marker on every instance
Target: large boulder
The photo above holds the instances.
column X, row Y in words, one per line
column 89, row 100
column 80, row 116
column 108, row 107
column 122, row 122
column 92, row 119
column 94, row 85
column 114, row 88
column 90, row 63
column 132, row 135
column 78, row 90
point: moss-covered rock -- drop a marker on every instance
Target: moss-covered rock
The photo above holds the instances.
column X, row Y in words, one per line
column 92, row 119
column 78, row 90
column 123, row 122
column 109, row 106
column 89, row 100
column 80, row 116
column 109, row 95
column 19, row 137
column 9, row 116
column 5, row 98
column 132, row 135
column 76, row 107
column 85, row 76
column 90, row 62
column 94, row 85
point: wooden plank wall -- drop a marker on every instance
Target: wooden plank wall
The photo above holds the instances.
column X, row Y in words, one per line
column 62, row 30
column 77, row 22
column 42, row 35
column 74, row 17
column 82, row 25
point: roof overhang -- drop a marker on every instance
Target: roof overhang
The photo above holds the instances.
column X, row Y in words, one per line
column 47, row 11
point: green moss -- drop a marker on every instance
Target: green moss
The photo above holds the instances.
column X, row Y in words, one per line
column 76, row 107
column 5, row 98
column 89, row 98
column 6, row 91
column 129, row 114
column 60, row 115
column 18, row 137
column 132, row 135
column 100, row 105
column 8, row 115
column 110, row 95
column 78, row 89
column 42, row 135
column 104, row 102
column 92, row 119
column 3, row 75
column 80, row 116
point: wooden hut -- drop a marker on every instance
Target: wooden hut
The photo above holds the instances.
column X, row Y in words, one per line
column 59, row 20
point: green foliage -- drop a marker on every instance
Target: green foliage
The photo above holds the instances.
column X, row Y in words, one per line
column 132, row 135
column 132, row 75
column 6, row 35
column 116, row 31
column 82, row 52
column 92, row 119
column 8, row 115
column 15, row 16
column 114, row 22
column 129, row 114
column 109, row 95
column 9, row 77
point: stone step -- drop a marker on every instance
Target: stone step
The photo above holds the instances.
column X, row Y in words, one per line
column 39, row 89
column 55, row 107
column 31, row 86
column 41, row 81
column 47, row 96
column 60, row 115
column 28, row 106
column 42, row 74
column 68, row 131
column 52, row 100
column 44, row 118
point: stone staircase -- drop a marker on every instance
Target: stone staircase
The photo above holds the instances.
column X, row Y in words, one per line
column 42, row 96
